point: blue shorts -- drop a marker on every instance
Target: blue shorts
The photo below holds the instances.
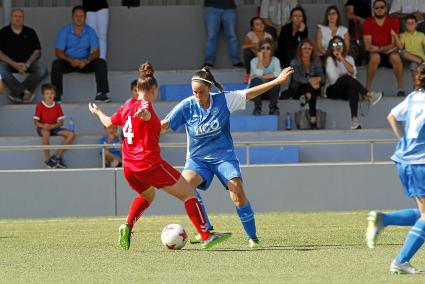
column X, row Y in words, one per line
column 412, row 178
column 53, row 132
column 224, row 170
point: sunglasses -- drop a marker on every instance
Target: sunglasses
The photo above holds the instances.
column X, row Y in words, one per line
column 379, row 7
column 266, row 47
column 338, row 43
column 306, row 47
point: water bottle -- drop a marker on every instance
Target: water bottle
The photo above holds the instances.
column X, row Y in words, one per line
column 288, row 121
column 71, row 125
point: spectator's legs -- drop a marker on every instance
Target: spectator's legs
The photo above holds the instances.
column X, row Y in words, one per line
column 257, row 99
column 212, row 18
column 372, row 67
column 395, row 61
column 229, row 25
column 353, row 99
column 312, row 101
column 354, row 84
column 69, row 138
column 274, row 99
column 60, row 67
column 45, row 140
column 247, row 56
column 99, row 22
column 99, row 67
column 109, row 158
column 11, row 82
column 37, row 72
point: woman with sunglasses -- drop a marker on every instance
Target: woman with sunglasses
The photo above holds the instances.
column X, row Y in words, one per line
column 264, row 68
column 341, row 72
column 330, row 27
column 308, row 78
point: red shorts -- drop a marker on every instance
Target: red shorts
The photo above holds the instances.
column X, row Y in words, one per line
column 158, row 176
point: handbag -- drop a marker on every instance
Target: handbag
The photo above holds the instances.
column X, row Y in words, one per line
column 302, row 119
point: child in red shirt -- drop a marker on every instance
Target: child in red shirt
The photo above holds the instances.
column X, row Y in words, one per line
column 48, row 119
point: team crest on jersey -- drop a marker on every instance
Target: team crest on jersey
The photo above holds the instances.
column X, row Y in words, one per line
column 214, row 111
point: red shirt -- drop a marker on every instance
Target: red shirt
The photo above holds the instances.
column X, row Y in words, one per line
column 48, row 114
column 141, row 138
column 381, row 35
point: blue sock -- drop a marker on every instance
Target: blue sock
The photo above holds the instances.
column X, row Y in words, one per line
column 406, row 217
column 413, row 242
column 246, row 214
column 203, row 209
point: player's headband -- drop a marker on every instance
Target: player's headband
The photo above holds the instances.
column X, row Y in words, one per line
column 202, row 79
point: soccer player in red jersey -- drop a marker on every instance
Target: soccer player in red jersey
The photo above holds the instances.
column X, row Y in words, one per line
column 144, row 167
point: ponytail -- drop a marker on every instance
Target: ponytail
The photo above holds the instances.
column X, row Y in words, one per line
column 206, row 77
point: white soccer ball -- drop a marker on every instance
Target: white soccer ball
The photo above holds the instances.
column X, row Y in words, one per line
column 174, row 236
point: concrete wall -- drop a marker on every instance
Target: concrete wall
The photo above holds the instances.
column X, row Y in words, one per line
column 30, row 194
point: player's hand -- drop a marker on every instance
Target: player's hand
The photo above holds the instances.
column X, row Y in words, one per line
column 94, row 109
column 284, row 76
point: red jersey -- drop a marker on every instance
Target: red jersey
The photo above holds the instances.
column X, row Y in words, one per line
column 48, row 114
column 141, row 138
column 381, row 35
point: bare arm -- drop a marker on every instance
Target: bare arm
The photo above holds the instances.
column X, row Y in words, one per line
column 104, row 119
column 319, row 41
column 281, row 79
column 396, row 126
column 7, row 59
column 247, row 43
column 94, row 54
column 34, row 57
column 368, row 44
column 165, row 126
column 61, row 54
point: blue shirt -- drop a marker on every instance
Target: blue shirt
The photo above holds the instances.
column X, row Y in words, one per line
column 114, row 151
column 411, row 147
column 208, row 130
column 77, row 46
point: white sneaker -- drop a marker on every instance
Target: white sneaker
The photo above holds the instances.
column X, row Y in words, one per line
column 355, row 125
column 374, row 228
column 375, row 97
column 405, row 268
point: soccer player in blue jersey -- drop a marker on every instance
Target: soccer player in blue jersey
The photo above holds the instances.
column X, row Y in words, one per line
column 210, row 145
column 410, row 161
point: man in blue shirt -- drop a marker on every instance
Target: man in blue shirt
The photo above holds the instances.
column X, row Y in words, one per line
column 77, row 50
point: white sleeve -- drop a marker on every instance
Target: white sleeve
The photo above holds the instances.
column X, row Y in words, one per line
column 400, row 110
column 350, row 59
column 331, row 71
column 395, row 7
column 264, row 9
column 236, row 100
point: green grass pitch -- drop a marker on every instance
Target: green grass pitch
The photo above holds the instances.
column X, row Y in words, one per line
column 298, row 248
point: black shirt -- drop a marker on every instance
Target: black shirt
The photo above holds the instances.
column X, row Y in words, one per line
column 362, row 8
column 220, row 4
column 94, row 5
column 287, row 44
column 18, row 47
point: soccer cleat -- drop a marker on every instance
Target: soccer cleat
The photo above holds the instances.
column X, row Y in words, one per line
column 374, row 228
column 254, row 243
column 214, row 239
column 405, row 268
column 375, row 97
column 125, row 236
column 197, row 238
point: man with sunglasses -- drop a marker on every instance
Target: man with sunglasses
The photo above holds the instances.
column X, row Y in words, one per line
column 380, row 45
column 403, row 8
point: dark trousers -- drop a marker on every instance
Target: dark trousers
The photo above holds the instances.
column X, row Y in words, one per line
column 248, row 55
column 298, row 89
column 98, row 66
column 272, row 94
column 347, row 88
column 36, row 73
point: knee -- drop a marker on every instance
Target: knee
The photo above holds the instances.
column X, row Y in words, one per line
column 255, row 82
column 374, row 58
column 57, row 65
column 100, row 63
column 395, row 59
column 236, row 188
column 45, row 133
column 71, row 135
column 40, row 69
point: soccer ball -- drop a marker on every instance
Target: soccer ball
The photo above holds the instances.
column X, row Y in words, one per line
column 174, row 236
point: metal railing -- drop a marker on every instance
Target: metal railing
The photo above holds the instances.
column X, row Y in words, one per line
column 246, row 144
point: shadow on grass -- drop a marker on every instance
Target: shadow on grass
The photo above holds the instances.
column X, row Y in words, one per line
column 7, row 237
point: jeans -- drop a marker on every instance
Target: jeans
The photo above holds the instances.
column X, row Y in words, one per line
column 98, row 66
column 36, row 71
column 298, row 89
column 273, row 94
column 214, row 18
column 99, row 22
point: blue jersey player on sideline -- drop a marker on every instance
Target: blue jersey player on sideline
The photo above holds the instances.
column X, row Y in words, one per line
column 410, row 161
column 210, row 148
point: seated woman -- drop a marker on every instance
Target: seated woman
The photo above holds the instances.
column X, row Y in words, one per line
column 341, row 72
column 250, row 44
column 308, row 78
column 265, row 67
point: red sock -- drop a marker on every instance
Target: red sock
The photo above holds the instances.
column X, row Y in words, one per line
column 196, row 215
column 138, row 205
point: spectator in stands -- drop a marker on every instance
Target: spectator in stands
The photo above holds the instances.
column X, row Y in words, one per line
column 381, row 46
column 330, row 27
column 98, row 19
column 341, row 72
column 77, row 50
column 19, row 53
column 411, row 45
column 250, row 44
column 218, row 13
column 291, row 35
column 308, row 78
column 113, row 157
column 264, row 68
column 1, row 85
column 48, row 119
column 276, row 13
column 402, row 8
column 357, row 11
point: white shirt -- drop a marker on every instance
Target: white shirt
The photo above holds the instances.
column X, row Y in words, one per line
column 278, row 11
column 407, row 6
column 333, row 72
column 327, row 34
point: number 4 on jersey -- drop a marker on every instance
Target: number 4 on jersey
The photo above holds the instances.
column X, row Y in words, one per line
column 128, row 131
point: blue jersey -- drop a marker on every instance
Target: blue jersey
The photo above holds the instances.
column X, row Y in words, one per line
column 208, row 130
column 411, row 147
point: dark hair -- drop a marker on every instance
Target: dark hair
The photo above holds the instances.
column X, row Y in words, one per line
column 329, row 52
column 78, row 7
column 266, row 41
column 48, row 87
column 146, row 81
column 420, row 76
column 328, row 10
column 379, row 1
column 205, row 73
column 251, row 22
column 301, row 9
column 410, row 17
column 133, row 84
column 313, row 52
